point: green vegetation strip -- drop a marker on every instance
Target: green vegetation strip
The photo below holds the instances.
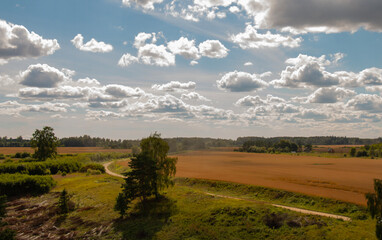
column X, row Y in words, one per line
column 276, row 196
column 22, row 184
column 49, row 167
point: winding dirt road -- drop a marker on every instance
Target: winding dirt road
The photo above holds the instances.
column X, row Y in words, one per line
column 294, row 209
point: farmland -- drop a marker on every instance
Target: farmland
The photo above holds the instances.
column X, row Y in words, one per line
column 346, row 179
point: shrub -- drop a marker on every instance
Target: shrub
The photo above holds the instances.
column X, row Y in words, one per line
column 22, row 184
column 93, row 166
column 41, row 168
column 2, row 156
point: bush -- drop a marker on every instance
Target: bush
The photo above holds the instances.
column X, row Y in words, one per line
column 102, row 157
column 2, row 156
column 93, row 166
column 41, row 168
column 22, row 184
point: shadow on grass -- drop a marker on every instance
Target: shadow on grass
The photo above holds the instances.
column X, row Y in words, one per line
column 146, row 218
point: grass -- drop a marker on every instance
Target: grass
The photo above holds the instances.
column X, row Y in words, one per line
column 118, row 168
column 185, row 212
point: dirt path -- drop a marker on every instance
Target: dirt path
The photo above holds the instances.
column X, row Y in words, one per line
column 242, row 199
column 286, row 207
column 106, row 165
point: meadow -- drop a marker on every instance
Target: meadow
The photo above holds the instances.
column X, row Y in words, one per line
column 218, row 194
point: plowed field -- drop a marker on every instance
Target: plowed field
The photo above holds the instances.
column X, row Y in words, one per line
column 345, row 179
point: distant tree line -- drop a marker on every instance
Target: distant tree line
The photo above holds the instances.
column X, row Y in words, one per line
column 318, row 140
column 14, row 142
column 266, row 146
column 374, row 150
column 195, row 143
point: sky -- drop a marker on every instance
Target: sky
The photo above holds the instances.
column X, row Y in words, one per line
column 124, row 69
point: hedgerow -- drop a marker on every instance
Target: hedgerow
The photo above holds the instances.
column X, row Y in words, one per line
column 23, row 184
column 41, row 168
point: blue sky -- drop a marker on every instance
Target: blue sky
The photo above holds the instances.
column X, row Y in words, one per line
column 208, row 68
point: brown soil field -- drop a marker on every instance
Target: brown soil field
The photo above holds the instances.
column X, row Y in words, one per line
column 346, row 179
column 63, row 150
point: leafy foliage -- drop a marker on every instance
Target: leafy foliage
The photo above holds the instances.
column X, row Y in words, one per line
column 63, row 202
column 43, row 168
column 151, row 171
column 45, row 143
column 22, row 184
column 374, row 205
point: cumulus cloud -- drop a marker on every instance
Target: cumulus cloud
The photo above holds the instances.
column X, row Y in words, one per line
column 214, row 3
column 127, row 59
column 252, row 101
column 121, row 91
column 213, row 49
column 184, row 47
column 194, row 96
column 305, row 71
column 174, row 86
column 42, row 75
column 17, row 42
column 91, row 46
column 248, row 64
column 6, row 80
column 252, row 39
column 240, row 82
column 335, row 16
column 152, row 54
column 366, row 102
column 14, row 108
column 327, row 95
column 141, row 38
column 146, row 4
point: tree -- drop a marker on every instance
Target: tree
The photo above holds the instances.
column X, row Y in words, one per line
column 353, row 151
column 63, row 202
column 151, row 171
column 45, row 143
column 374, row 206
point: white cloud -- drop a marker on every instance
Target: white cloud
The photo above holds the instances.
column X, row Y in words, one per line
column 152, row 54
column 13, row 108
column 248, row 64
column 194, row 96
column 146, row 4
column 127, row 59
column 193, row 63
column 366, row 102
column 6, row 80
column 253, row 101
column 305, row 71
column 184, row 47
column 214, row 3
column 42, row 75
column 174, row 86
column 141, row 38
column 120, row 91
column 240, row 82
column 17, row 42
column 213, row 49
column 327, row 95
column 335, row 16
column 91, row 46
column 252, row 39
column 234, row 9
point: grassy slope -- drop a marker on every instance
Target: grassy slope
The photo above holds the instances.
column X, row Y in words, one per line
column 186, row 213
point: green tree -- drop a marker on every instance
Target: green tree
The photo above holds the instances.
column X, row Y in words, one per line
column 353, row 151
column 45, row 143
column 63, row 202
column 374, row 206
column 151, row 171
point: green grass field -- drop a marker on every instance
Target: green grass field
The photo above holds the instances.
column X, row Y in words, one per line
column 186, row 212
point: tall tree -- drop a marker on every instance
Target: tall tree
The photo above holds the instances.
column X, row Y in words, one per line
column 151, row 171
column 374, row 206
column 45, row 143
